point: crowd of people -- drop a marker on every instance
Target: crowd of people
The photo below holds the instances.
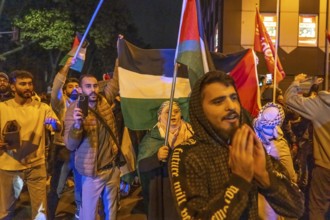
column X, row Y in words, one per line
column 223, row 164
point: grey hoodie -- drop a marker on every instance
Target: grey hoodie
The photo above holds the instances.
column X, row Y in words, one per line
column 316, row 109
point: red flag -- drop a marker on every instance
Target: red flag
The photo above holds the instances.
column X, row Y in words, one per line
column 76, row 42
column 246, row 81
column 263, row 43
column 241, row 66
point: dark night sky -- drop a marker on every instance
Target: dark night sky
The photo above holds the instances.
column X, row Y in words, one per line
column 157, row 21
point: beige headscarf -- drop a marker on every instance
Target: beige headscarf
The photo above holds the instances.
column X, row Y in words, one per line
column 177, row 133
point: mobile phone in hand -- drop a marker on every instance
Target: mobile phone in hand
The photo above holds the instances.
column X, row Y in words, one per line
column 83, row 104
column 269, row 79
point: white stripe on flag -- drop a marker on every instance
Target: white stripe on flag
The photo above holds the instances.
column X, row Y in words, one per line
column 81, row 55
column 204, row 58
column 144, row 86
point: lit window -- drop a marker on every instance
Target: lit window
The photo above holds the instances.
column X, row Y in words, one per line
column 307, row 31
column 270, row 22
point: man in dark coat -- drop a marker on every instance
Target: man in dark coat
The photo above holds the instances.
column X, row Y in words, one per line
column 5, row 91
column 219, row 172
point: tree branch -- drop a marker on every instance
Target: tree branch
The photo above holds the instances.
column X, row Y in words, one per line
column 3, row 56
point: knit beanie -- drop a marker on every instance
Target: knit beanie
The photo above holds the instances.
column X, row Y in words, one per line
column 2, row 74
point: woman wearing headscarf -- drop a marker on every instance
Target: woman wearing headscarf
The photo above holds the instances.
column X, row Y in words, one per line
column 152, row 165
column 267, row 127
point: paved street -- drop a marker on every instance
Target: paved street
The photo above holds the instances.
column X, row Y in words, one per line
column 131, row 206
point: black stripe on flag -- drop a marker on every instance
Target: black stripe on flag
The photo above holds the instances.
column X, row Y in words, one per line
column 158, row 62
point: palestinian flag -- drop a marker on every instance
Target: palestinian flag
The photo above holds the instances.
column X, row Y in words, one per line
column 191, row 48
column 145, row 81
column 79, row 64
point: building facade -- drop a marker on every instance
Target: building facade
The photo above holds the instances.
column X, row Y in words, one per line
column 302, row 25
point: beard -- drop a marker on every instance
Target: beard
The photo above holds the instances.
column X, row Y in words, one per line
column 24, row 94
column 227, row 134
column 4, row 89
column 232, row 130
column 92, row 99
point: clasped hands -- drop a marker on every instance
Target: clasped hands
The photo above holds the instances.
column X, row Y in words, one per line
column 247, row 157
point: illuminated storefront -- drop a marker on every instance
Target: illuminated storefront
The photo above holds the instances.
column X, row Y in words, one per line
column 307, row 31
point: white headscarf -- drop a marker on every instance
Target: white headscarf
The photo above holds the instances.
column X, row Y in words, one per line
column 178, row 132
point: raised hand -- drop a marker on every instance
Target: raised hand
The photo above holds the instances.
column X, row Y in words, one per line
column 65, row 69
column 318, row 80
column 77, row 114
column 300, row 77
column 78, row 117
column 241, row 153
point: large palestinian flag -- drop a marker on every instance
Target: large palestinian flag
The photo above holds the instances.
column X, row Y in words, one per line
column 145, row 80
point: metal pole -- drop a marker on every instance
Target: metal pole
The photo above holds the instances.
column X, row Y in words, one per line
column 87, row 29
column 276, row 47
column 326, row 80
column 7, row 32
column 168, row 124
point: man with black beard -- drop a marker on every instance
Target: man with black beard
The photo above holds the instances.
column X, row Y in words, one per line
column 22, row 146
column 93, row 135
column 64, row 92
column 218, row 173
column 5, row 91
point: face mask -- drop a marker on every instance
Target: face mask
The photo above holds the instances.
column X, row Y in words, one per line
column 74, row 95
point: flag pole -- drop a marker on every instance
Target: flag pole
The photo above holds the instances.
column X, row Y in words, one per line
column 326, row 64
column 168, row 124
column 326, row 85
column 276, row 48
column 87, row 30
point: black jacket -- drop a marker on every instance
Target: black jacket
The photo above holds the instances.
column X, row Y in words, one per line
column 6, row 96
column 204, row 186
